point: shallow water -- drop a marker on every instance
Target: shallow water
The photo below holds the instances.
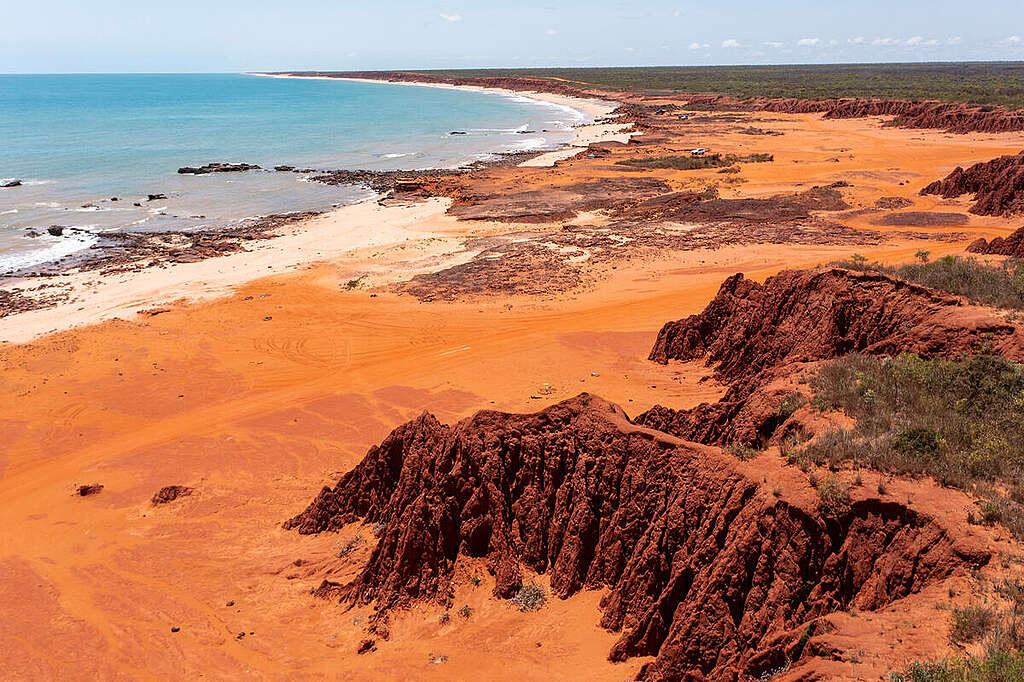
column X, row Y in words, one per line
column 77, row 141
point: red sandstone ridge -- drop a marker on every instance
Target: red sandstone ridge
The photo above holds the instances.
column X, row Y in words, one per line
column 706, row 570
column 997, row 185
column 756, row 335
column 1012, row 245
column 953, row 117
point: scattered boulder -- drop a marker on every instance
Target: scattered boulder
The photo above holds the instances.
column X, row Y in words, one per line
column 56, row 230
column 11, row 183
column 170, row 493
column 90, row 489
column 155, row 197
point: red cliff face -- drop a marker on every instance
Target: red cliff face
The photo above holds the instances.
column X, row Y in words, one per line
column 757, row 334
column 997, row 185
column 1012, row 245
column 953, row 117
column 706, row 569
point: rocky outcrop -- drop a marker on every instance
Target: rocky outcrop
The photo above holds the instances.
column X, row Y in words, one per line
column 952, row 117
column 692, row 207
column 807, row 315
column 705, row 570
column 997, row 185
column 217, row 168
column 560, row 202
column 170, row 493
column 758, row 335
column 10, row 183
column 1011, row 245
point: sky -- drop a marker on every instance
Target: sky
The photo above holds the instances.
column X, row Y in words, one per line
column 72, row 36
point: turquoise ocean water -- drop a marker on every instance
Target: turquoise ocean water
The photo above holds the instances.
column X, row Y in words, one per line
column 76, row 141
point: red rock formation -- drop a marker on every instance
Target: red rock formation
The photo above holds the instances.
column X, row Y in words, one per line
column 997, row 185
column 807, row 315
column 755, row 335
column 1011, row 245
column 170, row 493
column 953, row 117
column 705, row 570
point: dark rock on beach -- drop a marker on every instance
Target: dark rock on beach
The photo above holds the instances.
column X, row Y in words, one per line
column 12, row 183
column 217, row 168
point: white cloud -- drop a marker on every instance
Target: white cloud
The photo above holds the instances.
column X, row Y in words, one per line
column 775, row 45
column 676, row 13
column 955, row 40
column 808, row 42
column 451, row 17
column 698, row 46
column 886, row 41
column 918, row 41
column 731, row 42
column 628, row 49
column 859, row 40
column 833, row 43
column 1011, row 40
column 551, row 32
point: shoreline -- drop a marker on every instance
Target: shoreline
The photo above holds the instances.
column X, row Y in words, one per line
column 88, row 297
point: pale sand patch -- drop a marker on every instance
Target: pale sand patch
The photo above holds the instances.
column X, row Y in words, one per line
column 367, row 224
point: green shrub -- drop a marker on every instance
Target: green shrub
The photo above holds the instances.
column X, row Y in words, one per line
column 959, row 421
column 971, row 623
column 530, row 597
column 834, row 496
column 689, row 162
column 1000, row 285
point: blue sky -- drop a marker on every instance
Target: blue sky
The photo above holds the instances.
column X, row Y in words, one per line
column 230, row 35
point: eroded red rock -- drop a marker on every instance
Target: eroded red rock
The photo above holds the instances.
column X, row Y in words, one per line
column 997, row 185
column 1011, row 245
column 758, row 335
column 714, row 576
column 170, row 493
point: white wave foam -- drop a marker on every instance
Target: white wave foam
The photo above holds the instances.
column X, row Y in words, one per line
column 54, row 249
column 530, row 144
column 395, row 155
column 47, row 204
column 10, row 212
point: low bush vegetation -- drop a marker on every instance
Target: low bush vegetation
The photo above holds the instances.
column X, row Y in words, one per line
column 751, row 130
column 1001, row 666
column 530, row 597
column 958, row 421
column 1001, row 635
column 688, row 162
column 1000, row 285
column 977, row 82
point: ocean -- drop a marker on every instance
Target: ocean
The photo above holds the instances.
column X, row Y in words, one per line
column 77, row 141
